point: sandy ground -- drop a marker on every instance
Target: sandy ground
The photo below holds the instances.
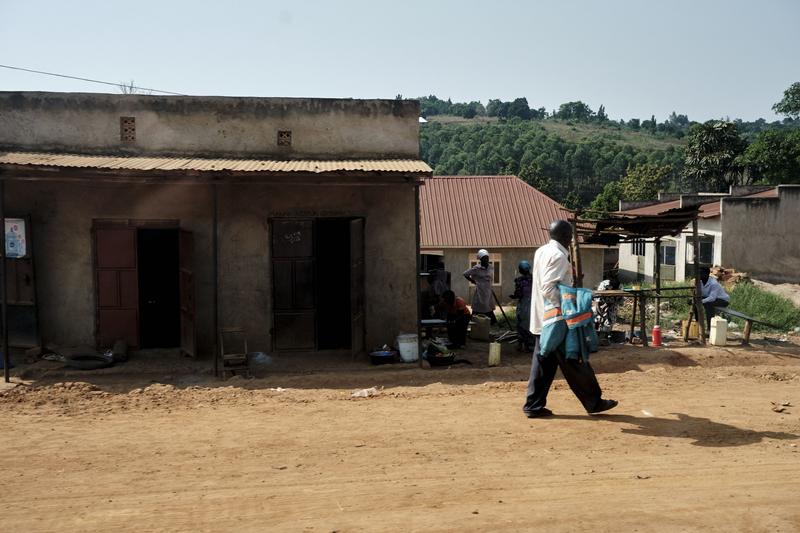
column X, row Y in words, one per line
column 787, row 290
column 693, row 446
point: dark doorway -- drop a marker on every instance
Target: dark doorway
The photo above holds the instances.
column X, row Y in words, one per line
column 159, row 292
column 333, row 284
column 318, row 284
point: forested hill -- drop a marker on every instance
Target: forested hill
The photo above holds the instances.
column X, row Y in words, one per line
column 580, row 157
column 569, row 161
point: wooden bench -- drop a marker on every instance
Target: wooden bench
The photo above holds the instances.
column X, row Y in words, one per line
column 748, row 321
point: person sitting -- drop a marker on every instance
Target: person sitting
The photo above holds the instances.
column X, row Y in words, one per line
column 522, row 293
column 713, row 294
column 605, row 307
column 458, row 317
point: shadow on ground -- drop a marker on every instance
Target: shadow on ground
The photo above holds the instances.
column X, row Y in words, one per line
column 701, row 431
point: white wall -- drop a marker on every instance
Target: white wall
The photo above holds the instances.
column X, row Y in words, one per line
column 710, row 227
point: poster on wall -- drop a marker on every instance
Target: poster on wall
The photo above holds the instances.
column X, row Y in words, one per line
column 15, row 237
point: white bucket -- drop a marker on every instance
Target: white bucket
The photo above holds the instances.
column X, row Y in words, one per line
column 408, row 346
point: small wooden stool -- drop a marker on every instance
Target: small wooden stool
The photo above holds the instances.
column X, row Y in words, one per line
column 234, row 359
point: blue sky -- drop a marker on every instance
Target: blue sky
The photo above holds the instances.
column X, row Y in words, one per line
column 704, row 58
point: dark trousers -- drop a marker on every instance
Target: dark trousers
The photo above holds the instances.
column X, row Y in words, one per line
column 579, row 375
column 709, row 307
column 457, row 329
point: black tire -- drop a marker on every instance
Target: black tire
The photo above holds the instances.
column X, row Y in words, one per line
column 88, row 361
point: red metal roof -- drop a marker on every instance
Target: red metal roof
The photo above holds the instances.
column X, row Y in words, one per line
column 708, row 210
column 484, row 212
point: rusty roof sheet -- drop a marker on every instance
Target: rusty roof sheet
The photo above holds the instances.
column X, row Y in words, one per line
column 709, row 209
column 484, row 212
column 143, row 163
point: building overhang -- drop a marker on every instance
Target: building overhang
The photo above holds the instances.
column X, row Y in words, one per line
column 161, row 169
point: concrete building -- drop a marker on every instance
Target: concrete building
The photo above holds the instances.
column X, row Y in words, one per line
column 751, row 229
column 159, row 219
column 505, row 215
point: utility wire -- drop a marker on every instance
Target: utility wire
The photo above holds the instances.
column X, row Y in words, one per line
column 89, row 80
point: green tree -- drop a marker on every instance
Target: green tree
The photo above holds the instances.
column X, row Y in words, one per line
column 601, row 114
column 774, row 157
column 520, row 108
column 608, row 200
column 712, row 154
column 532, row 175
column 790, row 104
column 643, row 182
column 574, row 111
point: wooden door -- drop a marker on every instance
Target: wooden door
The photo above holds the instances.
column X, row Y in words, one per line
column 357, row 306
column 117, row 316
column 23, row 325
column 293, row 285
column 187, row 296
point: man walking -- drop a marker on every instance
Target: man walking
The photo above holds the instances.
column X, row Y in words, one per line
column 551, row 267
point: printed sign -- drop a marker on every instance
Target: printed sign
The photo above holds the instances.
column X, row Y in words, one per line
column 15, row 238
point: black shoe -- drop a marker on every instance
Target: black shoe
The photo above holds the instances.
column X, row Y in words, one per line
column 544, row 411
column 604, row 405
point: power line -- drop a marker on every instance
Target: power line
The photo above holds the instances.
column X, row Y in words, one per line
column 89, row 80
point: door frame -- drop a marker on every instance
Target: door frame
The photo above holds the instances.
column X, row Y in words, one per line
column 271, row 258
column 117, row 223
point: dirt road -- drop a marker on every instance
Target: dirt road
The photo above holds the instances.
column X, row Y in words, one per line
column 693, row 446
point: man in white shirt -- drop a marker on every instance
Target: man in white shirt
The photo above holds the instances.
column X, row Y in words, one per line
column 551, row 267
column 713, row 294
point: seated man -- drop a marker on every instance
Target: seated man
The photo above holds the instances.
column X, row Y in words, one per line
column 458, row 318
column 713, row 294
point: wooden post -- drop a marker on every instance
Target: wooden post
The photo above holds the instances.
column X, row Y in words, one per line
column 215, row 266
column 3, row 292
column 576, row 252
column 748, row 324
column 657, row 279
column 417, row 217
column 633, row 316
column 643, row 318
column 698, row 292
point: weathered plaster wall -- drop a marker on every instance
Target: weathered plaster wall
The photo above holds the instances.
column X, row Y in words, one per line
column 762, row 235
column 62, row 217
column 389, row 244
column 592, row 264
column 210, row 126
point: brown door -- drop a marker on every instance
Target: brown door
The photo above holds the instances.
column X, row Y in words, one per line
column 293, row 285
column 188, row 330
column 117, row 286
column 357, row 314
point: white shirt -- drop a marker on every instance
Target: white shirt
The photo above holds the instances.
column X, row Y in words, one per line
column 550, row 267
column 713, row 291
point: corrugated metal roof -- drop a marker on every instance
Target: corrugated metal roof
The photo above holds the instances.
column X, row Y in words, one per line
column 484, row 212
column 211, row 165
column 708, row 210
